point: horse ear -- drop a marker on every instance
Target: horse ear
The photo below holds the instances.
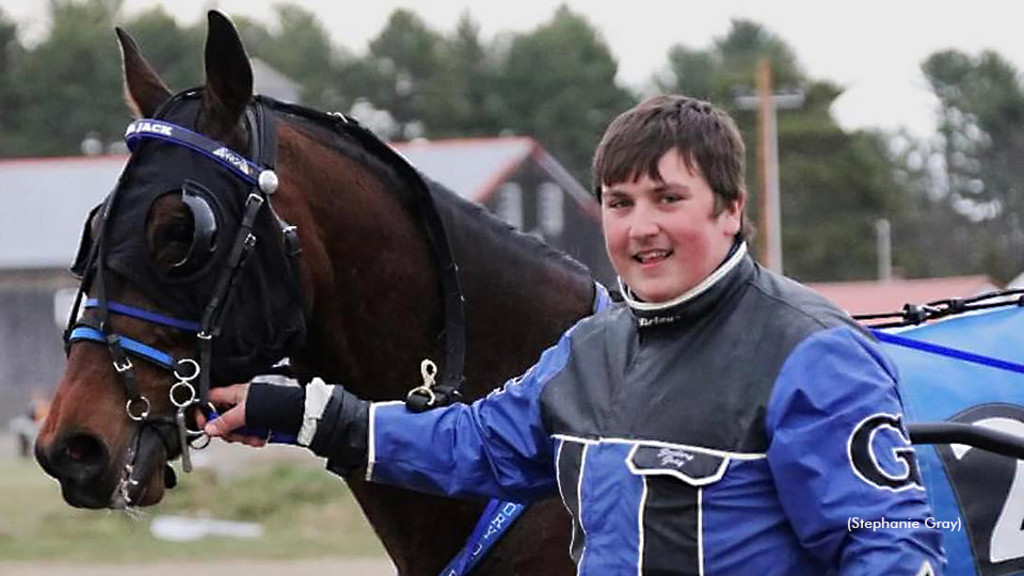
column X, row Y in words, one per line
column 228, row 75
column 144, row 90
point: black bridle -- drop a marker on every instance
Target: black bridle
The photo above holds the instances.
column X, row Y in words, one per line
column 259, row 176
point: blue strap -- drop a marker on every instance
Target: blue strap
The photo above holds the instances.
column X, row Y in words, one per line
column 496, row 519
column 154, row 317
column 226, row 157
column 949, row 352
column 132, row 346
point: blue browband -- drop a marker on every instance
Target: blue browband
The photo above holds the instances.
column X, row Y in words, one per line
column 226, row 157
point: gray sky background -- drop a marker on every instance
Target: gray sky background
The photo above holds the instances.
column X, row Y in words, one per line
column 873, row 48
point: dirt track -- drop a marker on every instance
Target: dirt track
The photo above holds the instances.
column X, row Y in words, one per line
column 354, row 567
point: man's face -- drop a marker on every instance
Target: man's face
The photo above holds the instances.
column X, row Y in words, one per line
column 662, row 236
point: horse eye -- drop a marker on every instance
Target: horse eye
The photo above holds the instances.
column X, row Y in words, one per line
column 169, row 236
column 181, row 232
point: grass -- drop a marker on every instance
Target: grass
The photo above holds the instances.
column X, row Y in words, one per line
column 305, row 512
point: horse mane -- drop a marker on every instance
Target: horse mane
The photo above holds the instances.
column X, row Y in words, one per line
column 528, row 246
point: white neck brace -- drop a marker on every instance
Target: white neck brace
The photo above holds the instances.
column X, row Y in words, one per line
column 690, row 294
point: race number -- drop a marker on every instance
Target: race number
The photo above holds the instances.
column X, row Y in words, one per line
column 990, row 489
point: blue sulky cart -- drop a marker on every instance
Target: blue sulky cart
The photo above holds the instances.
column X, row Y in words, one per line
column 962, row 383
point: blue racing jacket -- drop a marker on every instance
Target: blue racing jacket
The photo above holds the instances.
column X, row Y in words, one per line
column 748, row 428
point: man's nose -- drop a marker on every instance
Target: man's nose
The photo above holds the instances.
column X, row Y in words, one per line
column 643, row 224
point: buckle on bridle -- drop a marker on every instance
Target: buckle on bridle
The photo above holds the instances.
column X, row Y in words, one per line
column 123, row 367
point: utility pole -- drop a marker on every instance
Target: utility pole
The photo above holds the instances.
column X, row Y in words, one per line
column 769, row 205
column 883, row 236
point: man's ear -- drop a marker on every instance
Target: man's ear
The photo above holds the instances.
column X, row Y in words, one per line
column 733, row 213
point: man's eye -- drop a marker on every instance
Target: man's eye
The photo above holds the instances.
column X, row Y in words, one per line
column 671, row 198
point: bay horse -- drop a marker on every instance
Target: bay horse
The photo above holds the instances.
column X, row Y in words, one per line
column 340, row 277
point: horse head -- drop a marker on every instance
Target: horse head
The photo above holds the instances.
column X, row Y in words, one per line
column 183, row 238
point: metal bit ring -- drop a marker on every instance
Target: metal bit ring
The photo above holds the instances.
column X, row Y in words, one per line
column 142, row 414
column 195, row 370
column 190, row 397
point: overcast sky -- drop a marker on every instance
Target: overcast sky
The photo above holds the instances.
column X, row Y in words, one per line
column 873, row 48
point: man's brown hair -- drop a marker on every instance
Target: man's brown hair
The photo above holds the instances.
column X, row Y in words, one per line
column 705, row 136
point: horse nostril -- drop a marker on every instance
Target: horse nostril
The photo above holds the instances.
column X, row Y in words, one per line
column 83, row 450
column 79, row 456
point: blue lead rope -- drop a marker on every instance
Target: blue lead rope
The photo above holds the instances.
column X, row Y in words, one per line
column 949, row 352
column 496, row 519
column 500, row 515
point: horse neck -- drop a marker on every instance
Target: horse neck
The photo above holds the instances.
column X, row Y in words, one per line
column 520, row 294
column 375, row 298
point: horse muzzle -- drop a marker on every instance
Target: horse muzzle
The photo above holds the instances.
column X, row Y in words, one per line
column 90, row 478
column 79, row 461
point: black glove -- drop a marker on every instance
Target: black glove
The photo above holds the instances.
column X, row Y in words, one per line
column 341, row 429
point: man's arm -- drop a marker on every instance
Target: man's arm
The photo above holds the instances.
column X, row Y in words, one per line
column 842, row 463
column 495, row 447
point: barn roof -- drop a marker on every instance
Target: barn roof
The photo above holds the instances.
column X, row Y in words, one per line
column 865, row 297
column 476, row 167
column 45, row 200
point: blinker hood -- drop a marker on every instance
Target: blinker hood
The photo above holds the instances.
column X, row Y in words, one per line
column 264, row 319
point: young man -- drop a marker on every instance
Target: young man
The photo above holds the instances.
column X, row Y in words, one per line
column 723, row 420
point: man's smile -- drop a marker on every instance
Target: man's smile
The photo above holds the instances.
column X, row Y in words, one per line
column 652, row 256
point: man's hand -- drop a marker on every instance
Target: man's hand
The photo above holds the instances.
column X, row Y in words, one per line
column 233, row 417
